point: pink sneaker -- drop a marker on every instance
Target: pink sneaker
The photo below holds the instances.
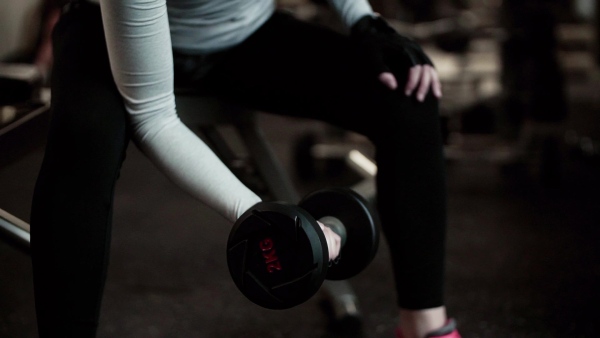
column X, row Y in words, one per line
column 447, row 331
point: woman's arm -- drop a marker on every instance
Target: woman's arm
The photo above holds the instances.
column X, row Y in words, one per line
column 350, row 11
column 371, row 31
column 139, row 47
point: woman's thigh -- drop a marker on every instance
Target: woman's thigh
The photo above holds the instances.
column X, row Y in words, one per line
column 295, row 68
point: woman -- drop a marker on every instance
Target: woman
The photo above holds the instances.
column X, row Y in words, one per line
column 113, row 80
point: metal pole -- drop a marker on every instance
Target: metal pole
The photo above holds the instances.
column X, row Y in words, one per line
column 15, row 229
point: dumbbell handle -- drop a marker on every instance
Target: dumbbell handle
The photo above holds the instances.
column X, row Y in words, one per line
column 336, row 226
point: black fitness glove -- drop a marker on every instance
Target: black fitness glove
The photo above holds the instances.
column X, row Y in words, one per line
column 383, row 48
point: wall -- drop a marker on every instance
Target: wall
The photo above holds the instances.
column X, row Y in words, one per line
column 19, row 22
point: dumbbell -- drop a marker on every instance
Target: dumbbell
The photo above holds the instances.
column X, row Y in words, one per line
column 277, row 253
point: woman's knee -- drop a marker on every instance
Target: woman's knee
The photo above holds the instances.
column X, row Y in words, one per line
column 402, row 118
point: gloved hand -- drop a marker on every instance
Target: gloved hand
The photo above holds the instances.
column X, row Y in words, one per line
column 385, row 51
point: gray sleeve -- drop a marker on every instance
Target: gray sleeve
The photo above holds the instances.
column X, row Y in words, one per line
column 139, row 47
column 351, row 10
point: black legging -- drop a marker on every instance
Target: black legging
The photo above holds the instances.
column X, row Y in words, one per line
column 287, row 67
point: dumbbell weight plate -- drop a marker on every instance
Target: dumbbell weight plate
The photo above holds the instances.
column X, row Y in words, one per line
column 276, row 256
column 361, row 224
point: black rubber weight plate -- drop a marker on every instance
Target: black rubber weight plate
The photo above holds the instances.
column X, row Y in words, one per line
column 275, row 256
column 360, row 221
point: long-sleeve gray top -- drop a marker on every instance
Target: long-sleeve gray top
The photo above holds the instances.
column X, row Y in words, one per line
column 140, row 35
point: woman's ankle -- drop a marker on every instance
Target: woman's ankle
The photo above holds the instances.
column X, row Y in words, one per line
column 419, row 323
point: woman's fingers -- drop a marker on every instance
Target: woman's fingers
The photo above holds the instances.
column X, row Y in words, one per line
column 389, row 80
column 334, row 242
column 436, row 84
column 424, row 84
column 422, row 78
column 414, row 76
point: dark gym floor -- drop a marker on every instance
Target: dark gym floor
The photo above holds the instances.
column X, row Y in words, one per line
column 523, row 256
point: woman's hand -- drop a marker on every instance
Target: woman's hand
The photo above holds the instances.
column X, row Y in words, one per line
column 385, row 50
column 334, row 242
column 420, row 77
